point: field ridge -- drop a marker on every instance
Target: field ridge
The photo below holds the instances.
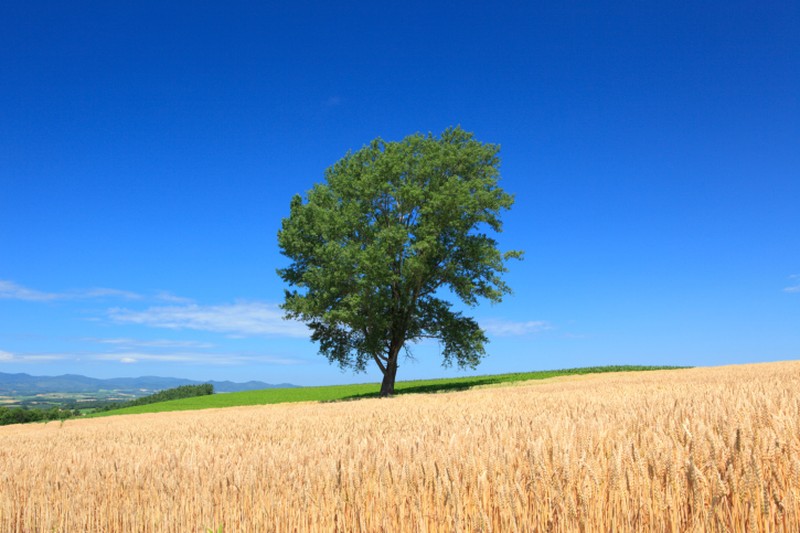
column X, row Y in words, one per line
column 331, row 393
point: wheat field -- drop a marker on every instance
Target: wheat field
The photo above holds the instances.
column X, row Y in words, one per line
column 707, row 449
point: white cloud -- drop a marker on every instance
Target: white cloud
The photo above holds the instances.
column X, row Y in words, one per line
column 166, row 296
column 14, row 291
column 793, row 288
column 195, row 358
column 6, row 357
column 509, row 328
column 36, row 358
column 131, row 357
column 158, row 343
column 241, row 318
column 102, row 292
column 11, row 291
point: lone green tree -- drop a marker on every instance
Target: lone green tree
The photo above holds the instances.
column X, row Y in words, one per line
column 375, row 247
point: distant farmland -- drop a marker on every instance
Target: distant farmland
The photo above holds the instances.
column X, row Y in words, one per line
column 706, row 449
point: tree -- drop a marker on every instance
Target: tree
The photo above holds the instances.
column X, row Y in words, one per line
column 374, row 248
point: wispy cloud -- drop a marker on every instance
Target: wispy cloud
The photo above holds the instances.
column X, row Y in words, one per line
column 11, row 291
column 135, row 356
column 166, row 296
column 796, row 286
column 8, row 357
column 510, row 328
column 240, row 318
column 14, row 291
column 333, row 101
column 195, row 358
column 158, row 343
column 101, row 292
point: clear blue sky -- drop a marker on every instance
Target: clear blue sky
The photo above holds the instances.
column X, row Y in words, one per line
column 148, row 151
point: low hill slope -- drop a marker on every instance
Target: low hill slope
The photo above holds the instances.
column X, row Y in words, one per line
column 363, row 390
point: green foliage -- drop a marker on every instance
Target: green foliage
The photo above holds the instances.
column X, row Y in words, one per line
column 373, row 247
column 22, row 415
column 363, row 390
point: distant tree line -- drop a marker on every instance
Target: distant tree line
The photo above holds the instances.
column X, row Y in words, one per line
column 184, row 391
column 23, row 415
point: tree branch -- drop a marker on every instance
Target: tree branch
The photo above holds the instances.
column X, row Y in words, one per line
column 380, row 365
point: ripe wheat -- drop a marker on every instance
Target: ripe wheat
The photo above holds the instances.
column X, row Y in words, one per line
column 715, row 449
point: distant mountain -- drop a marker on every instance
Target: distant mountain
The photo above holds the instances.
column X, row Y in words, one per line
column 25, row 384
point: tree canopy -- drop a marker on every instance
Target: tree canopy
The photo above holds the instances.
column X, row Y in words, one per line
column 375, row 247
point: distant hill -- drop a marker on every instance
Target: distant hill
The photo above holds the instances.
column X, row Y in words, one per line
column 25, row 384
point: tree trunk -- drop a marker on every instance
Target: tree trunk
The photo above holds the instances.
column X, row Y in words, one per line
column 387, row 386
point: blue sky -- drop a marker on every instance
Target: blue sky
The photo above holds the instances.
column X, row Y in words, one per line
column 148, row 151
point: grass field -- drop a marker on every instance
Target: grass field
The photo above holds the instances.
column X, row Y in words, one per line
column 359, row 391
column 704, row 449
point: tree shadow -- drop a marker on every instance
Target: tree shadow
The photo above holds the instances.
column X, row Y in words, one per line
column 429, row 388
column 411, row 387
